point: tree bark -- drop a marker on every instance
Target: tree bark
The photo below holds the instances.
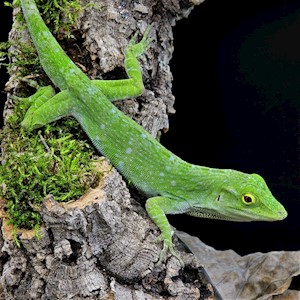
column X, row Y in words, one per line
column 101, row 245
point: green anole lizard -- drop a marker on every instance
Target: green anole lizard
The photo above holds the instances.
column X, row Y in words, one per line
column 172, row 184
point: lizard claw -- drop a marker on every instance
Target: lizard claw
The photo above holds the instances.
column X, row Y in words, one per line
column 167, row 247
column 140, row 47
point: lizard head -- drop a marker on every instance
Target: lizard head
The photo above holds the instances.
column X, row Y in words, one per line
column 241, row 197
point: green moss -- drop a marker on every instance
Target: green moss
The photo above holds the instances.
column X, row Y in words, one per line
column 3, row 52
column 55, row 160
column 59, row 14
column 27, row 62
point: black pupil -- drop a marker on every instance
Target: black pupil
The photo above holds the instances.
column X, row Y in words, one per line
column 247, row 199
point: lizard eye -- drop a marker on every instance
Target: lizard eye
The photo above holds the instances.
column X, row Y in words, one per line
column 248, row 199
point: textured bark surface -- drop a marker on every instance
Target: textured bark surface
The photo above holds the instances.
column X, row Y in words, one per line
column 100, row 246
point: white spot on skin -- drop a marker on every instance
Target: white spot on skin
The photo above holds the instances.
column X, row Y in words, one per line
column 32, row 7
column 45, row 34
column 121, row 165
column 168, row 168
column 102, row 126
column 89, row 90
column 173, row 183
column 161, row 174
column 128, row 150
column 143, row 135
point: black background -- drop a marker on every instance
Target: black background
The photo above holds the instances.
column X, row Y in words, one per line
column 236, row 73
column 236, row 70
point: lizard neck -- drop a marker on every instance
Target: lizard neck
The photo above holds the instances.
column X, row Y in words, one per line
column 188, row 180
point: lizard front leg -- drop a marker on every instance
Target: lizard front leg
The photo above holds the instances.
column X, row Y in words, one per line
column 157, row 208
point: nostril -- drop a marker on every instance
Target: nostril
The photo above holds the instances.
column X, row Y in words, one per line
column 283, row 213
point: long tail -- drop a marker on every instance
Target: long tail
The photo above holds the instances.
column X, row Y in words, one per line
column 52, row 56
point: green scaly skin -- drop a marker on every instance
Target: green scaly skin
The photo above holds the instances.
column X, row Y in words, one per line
column 173, row 185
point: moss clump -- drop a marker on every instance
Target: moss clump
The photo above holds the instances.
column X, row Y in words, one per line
column 24, row 60
column 55, row 160
column 59, row 14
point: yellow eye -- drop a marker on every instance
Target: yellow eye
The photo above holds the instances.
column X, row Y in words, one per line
column 248, row 199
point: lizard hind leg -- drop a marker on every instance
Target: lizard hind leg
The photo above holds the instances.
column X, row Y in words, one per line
column 132, row 86
column 46, row 107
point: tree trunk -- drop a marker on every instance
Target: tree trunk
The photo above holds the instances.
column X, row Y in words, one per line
column 100, row 246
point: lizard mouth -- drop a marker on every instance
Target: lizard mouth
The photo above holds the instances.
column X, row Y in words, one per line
column 208, row 214
column 236, row 217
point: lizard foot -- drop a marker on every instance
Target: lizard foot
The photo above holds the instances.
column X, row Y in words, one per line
column 167, row 247
column 139, row 48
